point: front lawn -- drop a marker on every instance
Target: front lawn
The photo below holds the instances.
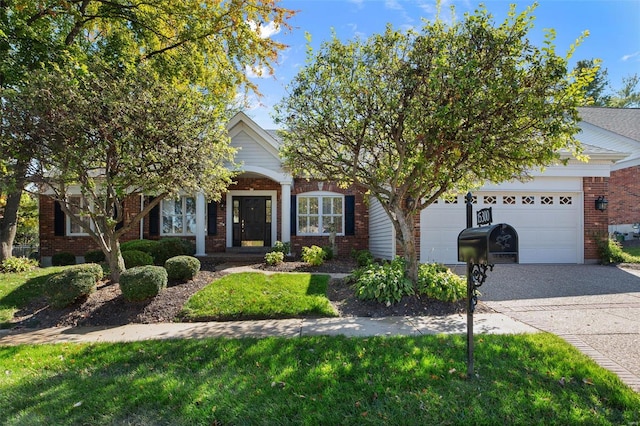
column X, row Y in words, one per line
column 18, row 289
column 254, row 295
column 521, row 379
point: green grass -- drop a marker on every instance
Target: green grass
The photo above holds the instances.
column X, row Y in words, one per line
column 16, row 290
column 633, row 251
column 254, row 295
column 521, row 379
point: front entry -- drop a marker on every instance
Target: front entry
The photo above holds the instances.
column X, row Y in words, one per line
column 252, row 221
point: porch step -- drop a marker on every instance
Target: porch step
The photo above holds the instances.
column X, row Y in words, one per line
column 247, row 258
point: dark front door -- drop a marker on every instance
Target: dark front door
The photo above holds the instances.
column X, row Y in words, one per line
column 251, row 221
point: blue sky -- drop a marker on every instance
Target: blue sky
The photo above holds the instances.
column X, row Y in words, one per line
column 614, row 27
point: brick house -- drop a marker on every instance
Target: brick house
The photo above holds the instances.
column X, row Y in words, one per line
column 553, row 213
column 265, row 204
column 622, row 129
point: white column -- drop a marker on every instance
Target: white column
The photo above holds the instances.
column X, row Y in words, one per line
column 201, row 221
column 285, row 231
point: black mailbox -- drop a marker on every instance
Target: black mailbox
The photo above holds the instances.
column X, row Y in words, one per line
column 491, row 244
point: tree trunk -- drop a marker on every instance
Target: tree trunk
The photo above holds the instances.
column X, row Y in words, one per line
column 116, row 262
column 9, row 223
column 406, row 238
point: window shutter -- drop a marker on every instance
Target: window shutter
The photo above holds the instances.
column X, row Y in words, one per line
column 59, row 224
column 154, row 219
column 294, row 216
column 212, row 218
column 350, row 215
column 121, row 223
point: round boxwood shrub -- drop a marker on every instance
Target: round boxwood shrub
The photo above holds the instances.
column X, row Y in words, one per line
column 63, row 259
column 94, row 256
column 146, row 246
column 171, row 247
column 143, row 282
column 93, row 268
column 182, row 268
column 133, row 258
column 68, row 286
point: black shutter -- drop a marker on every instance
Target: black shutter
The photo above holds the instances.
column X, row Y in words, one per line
column 294, row 216
column 59, row 224
column 115, row 213
column 350, row 215
column 212, row 218
column 154, row 219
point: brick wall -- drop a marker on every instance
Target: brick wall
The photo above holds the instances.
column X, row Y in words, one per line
column 624, row 196
column 346, row 243
column 595, row 222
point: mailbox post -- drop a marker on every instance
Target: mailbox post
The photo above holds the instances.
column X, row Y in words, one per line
column 481, row 248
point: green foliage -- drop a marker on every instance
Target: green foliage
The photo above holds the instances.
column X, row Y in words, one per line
column 439, row 282
column 171, row 247
column 93, row 268
column 385, row 283
column 133, row 258
column 146, row 246
column 182, row 267
column 327, row 252
column 63, row 259
column 362, row 257
column 274, row 258
column 94, row 256
column 284, row 248
column 17, row 264
column 386, row 111
column 313, row 255
column 143, row 282
column 611, row 251
column 68, row 286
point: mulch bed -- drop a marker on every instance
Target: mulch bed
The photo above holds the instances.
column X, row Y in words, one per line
column 107, row 307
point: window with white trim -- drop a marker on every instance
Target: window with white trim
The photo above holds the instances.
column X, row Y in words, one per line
column 178, row 216
column 77, row 204
column 318, row 214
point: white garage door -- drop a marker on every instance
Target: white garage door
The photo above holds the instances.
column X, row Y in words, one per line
column 549, row 225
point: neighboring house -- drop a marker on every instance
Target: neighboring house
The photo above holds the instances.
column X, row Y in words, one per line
column 621, row 127
column 264, row 205
column 553, row 213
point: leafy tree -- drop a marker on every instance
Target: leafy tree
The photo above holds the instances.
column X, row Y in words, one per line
column 413, row 116
column 629, row 95
column 204, row 43
column 596, row 89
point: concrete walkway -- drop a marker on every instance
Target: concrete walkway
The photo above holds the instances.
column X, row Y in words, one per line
column 595, row 308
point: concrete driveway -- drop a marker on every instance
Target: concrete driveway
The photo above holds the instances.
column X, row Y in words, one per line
column 596, row 308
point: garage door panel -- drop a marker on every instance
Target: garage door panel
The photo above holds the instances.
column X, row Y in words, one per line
column 549, row 230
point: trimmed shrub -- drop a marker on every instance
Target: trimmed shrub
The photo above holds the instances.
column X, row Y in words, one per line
column 439, row 282
column 182, row 268
column 146, row 246
column 284, row 248
column 362, row 257
column 327, row 252
column 68, row 286
column 133, row 258
column 313, row 255
column 385, row 283
column 274, row 258
column 610, row 251
column 171, row 247
column 94, row 256
column 63, row 259
column 93, row 268
column 17, row 264
column 143, row 282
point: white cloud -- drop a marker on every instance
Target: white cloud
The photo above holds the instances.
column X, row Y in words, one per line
column 358, row 3
column 265, row 31
column 392, row 4
column 631, row 56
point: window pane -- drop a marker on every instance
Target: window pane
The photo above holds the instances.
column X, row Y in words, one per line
column 313, row 225
column 326, row 205
column 267, row 210
column 337, row 205
column 302, row 225
column 190, row 203
column 236, row 211
column 313, row 205
column 303, row 205
column 191, row 224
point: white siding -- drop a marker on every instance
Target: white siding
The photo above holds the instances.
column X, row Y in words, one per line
column 252, row 153
column 382, row 241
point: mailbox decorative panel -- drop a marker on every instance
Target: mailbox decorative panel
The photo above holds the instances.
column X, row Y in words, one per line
column 488, row 244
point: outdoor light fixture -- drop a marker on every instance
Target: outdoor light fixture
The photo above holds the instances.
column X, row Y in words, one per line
column 409, row 202
column 601, row 203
